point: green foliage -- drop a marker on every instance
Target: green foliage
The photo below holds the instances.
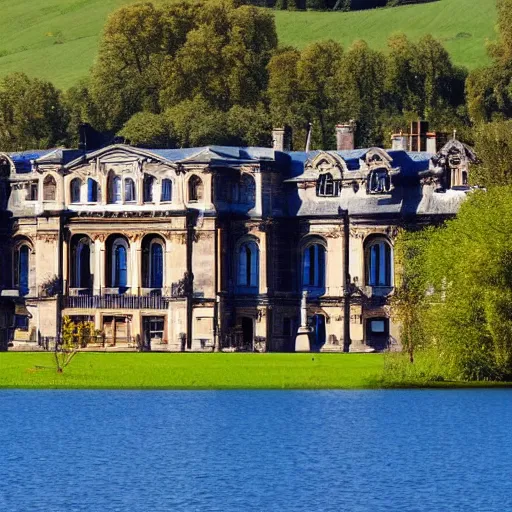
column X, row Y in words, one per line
column 145, row 129
column 493, row 145
column 489, row 90
column 31, row 114
column 196, row 123
column 459, row 282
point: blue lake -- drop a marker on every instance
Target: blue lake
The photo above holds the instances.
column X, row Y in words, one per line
column 130, row 451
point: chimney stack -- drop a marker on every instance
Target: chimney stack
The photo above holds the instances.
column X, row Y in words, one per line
column 345, row 136
column 282, row 139
column 399, row 141
column 432, row 142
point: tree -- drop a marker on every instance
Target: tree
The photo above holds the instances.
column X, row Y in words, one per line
column 284, row 93
column 81, row 108
column 65, row 350
column 32, row 114
column 129, row 71
column 489, row 90
column 229, row 51
column 462, row 282
column 249, row 126
column 359, row 88
column 316, row 73
column 493, row 145
column 148, row 130
column 195, row 123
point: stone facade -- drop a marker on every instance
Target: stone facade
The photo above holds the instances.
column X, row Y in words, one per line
column 191, row 249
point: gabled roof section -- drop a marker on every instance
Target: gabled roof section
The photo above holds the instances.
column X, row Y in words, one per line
column 136, row 152
column 23, row 160
column 455, row 146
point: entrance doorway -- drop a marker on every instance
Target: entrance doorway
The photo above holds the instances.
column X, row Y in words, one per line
column 318, row 325
column 248, row 333
column 153, row 328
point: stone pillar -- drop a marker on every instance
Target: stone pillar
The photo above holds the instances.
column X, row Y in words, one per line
column 303, row 339
column 263, row 284
column 99, row 266
column 65, row 262
column 258, row 206
column 345, row 136
column 135, row 269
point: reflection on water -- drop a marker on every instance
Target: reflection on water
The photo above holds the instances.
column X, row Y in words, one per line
column 65, row 451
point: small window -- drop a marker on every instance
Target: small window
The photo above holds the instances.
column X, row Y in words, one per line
column 195, row 189
column 166, row 190
column 149, row 182
column 379, row 182
column 115, row 190
column 248, row 265
column 21, row 322
column 129, row 190
column 33, row 191
column 313, row 269
column 379, row 264
column 49, row 189
column 326, row 186
column 22, row 269
column 76, row 186
column 92, row 191
column 377, row 326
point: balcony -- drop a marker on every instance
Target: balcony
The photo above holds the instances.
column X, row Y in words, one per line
column 116, row 298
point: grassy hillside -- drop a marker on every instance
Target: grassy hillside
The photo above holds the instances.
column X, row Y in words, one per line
column 57, row 39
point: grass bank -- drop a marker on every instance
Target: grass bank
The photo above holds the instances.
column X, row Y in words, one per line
column 58, row 39
column 193, row 371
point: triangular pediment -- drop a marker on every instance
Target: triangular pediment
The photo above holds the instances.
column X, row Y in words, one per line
column 118, row 154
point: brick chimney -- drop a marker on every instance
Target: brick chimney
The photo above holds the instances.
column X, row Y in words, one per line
column 282, row 139
column 431, row 142
column 345, row 136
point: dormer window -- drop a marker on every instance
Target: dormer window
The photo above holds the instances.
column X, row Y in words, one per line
column 326, row 186
column 379, row 182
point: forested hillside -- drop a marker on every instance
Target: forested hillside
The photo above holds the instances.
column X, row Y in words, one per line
column 57, row 40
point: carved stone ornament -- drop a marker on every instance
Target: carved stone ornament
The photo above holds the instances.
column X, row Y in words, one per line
column 99, row 236
column 47, row 237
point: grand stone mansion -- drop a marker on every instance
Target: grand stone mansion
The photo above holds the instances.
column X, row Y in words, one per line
column 190, row 249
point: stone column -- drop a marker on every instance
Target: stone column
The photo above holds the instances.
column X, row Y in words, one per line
column 135, row 269
column 99, row 266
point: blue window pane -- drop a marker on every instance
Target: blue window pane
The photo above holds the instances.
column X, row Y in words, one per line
column 116, row 189
column 129, row 190
column 166, row 190
column 92, row 191
column 157, row 266
column 23, row 270
column 121, row 267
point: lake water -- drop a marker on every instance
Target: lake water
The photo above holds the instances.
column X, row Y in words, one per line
column 130, row 451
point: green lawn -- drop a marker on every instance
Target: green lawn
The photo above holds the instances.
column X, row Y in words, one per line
column 188, row 371
column 58, row 39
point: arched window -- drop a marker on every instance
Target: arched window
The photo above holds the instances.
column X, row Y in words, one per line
column 49, row 188
column 379, row 264
column 129, row 190
column 92, row 191
column 248, row 265
column 313, row 267
column 115, row 190
column 149, row 183
column 247, row 190
column 156, row 265
column 326, row 186
column 166, row 190
column 195, row 189
column 81, row 275
column 76, row 186
column 117, row 262
column 153, row 262
column 379, row 182
column 22, row 269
